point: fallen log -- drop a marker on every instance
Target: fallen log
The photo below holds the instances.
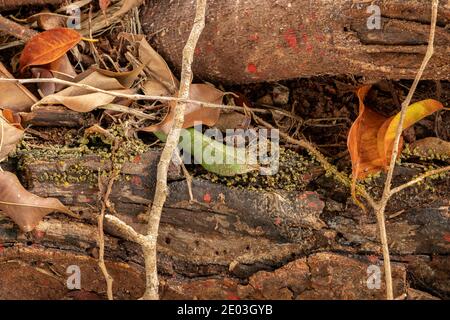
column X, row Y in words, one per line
column 230, row 243
column 263, row 40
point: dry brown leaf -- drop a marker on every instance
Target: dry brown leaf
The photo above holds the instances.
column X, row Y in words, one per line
column 232, row 120
column 60, row 69
column 126, row 78
column 44, row 88
column 18, row 99
column 161, row 80
column 9, row 137
column 194, row 113
column 23, row 207
column 84, row 100
column 47, row 20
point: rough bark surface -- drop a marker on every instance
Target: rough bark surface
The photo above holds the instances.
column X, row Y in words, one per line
column 232, row 244
column 265, row 40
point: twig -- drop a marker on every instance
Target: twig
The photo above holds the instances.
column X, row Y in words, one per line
column 381, row 206
column 101, row 240
column 128, row 232
column 14, row 29
column 186, row 175
column 419, row 179
column 124, row 109
column 130, row 96
column 151, row 290
column 319, row 157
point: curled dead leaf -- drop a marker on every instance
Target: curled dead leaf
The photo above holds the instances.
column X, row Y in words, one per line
column 194, row 113
column 84, row 100
column 370, row 139
column 9, row 137
column 161, row 80
column 23, row 207
column 18, row 98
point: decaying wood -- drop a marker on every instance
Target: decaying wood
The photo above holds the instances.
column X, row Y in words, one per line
column 210, row 249
column 13, row 4
column 56, row 116
column 251, row 41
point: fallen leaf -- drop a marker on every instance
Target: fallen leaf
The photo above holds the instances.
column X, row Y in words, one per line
column 13, row 118
column 104, row 4
column 126, row 78
column 362, row 139
column 415, row 112
column 9, row 137
column 47, row 20
column 194, row 113
column 431, row 146
column 44, row 88
column 18, row 99
column 23, row 207
column 370, row 139
column 84, row 100
column 161, row 80
column 60, row 68
column 48, row 46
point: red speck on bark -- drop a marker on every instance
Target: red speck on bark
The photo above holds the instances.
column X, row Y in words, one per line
column 277, row 221
column 251, row 67
column 197, row 51
column 305, row 38
column 253, row 37
column 232, row 296
column 137, row 181
column 372, row 259
column 137, row 159
column 38, row 234
column 446, row 237
column 207, row 198
column 290, row 38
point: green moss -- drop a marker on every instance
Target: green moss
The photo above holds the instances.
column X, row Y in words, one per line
column 91, row 145
column 292, row 167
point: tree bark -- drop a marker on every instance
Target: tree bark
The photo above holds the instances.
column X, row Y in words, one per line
column 232, row 244
column 265, row 40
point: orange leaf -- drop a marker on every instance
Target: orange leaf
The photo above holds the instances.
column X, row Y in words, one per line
column 104, row 4
column 370, row 139
column 362, row 139
column 194, row 113
column 48, row 46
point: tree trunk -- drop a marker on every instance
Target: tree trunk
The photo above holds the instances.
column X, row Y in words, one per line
column 266, row 40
